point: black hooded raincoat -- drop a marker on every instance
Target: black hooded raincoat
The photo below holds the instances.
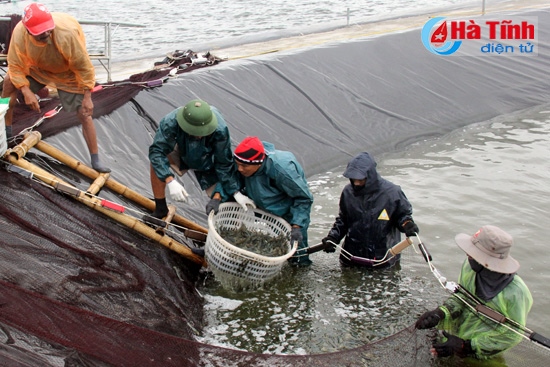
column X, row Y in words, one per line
column 371, row 219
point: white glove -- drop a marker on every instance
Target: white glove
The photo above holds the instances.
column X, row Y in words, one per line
column 244, row 200
column 177, row 191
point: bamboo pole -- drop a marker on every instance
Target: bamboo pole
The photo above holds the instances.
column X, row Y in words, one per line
column 95, row 203
column 112, row 184
column 20, row 150
column 98, row 183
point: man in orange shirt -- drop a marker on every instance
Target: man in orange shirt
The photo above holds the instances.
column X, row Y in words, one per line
column 50, row 49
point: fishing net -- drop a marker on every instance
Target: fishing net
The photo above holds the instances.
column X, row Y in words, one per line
column 77, row 289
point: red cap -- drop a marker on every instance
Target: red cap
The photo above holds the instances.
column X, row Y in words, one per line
column 250, row 151
column 37, row 19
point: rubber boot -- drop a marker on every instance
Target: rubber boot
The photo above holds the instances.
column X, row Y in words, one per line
column 161, row 208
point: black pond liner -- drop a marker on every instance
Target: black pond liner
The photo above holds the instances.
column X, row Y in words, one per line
column 77, row 289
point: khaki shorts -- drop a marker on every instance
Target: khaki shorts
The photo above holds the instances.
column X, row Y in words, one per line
column 69, row 101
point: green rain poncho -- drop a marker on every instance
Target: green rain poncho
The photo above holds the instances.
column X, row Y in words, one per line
column 486, row 336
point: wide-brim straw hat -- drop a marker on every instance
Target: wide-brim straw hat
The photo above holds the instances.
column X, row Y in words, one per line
column 490, row 246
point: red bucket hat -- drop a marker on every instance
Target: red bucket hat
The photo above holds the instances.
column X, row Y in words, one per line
column 250, row 151
column 37, row 19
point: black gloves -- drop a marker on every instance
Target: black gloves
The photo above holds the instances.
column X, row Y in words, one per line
column 410, row 228
column 453, row 345
column 213, row 204
column 329, row 247
column 430, row 319
column 296, row 235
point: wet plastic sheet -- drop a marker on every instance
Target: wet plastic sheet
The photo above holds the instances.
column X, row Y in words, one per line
column 72, row 281
column 326, row 104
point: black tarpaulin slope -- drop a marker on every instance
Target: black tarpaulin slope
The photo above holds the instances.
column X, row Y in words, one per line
column 325, row 104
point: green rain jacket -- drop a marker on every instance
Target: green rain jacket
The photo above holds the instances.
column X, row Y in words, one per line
column 210, row 156
column 280, row 187
column 487, row 337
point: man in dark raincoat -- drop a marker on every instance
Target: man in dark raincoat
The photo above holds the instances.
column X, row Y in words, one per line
column 489, row 272
column 276, row 182
column 372, row 214
column 194, row 137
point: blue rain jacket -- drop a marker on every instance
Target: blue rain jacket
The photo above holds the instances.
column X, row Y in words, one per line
column 210, row 157
column 487, row 338
column 280, row 187
column 371, row 220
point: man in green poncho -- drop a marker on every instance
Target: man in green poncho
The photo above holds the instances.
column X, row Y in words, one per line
column 489, row 272
column 193, row 137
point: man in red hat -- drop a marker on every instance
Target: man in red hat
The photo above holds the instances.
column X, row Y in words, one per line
column 276, row 182
column 50, row 49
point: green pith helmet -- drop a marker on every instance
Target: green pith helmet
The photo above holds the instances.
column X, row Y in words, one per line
column 196, row 118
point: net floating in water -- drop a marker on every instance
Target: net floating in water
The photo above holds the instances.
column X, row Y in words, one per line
column 233, row 265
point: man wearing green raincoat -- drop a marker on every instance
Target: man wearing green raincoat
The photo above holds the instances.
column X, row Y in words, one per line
column 193, row 137
column 489, row 272
column 276, row 182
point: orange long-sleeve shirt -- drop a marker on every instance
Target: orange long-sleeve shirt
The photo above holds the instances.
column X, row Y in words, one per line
column 63, row 62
